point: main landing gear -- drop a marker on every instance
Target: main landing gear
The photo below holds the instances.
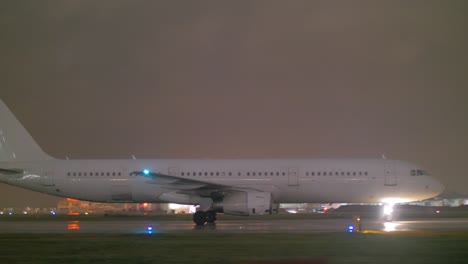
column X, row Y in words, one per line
column 202, row 217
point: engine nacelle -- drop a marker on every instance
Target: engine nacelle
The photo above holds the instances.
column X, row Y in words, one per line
column 245, row 203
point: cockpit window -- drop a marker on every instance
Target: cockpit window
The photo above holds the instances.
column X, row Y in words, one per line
column 419, row 173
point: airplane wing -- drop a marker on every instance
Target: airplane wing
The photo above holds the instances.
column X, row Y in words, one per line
column 183, row 185
column 11, row 171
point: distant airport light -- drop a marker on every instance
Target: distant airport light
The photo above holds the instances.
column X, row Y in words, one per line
column 146, row 172
column 10, row 213
column 350, row 228
column 53, row 213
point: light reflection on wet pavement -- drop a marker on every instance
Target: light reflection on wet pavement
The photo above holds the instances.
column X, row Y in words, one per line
column 239, row 226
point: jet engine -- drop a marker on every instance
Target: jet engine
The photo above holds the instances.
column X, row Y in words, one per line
column 245, row 203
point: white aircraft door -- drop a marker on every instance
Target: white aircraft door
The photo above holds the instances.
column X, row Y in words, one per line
column 293, row 177
column 390, row 173
column 47, row 178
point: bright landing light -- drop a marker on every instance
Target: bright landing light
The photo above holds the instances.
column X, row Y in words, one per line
column 145, row 172
column 390, row 226
column 395, row 200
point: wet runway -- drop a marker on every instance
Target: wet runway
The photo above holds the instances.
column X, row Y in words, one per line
column 239, row 226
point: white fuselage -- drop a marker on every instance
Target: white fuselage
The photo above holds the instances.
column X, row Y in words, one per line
column 288, row 180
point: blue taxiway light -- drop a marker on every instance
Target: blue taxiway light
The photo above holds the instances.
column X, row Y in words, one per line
column 350, row 228
column 149, row 229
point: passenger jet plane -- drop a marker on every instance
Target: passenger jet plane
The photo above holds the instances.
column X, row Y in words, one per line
column 230, row 186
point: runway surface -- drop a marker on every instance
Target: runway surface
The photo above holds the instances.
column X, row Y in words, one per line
column 240, row 226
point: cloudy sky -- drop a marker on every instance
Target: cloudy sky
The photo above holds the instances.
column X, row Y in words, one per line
column 239, row 79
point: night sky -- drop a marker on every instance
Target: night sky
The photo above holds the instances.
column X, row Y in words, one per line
column 239, row 79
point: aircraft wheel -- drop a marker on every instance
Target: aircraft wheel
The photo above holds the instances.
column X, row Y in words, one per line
column 199, row 218
column 210, row 216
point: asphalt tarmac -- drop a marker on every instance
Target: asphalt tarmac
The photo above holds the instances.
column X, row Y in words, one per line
column 239, row 226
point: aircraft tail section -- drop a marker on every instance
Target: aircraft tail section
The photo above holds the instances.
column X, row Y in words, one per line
column 16, row 144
